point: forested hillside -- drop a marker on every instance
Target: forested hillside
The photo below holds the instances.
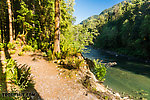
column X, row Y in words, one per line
column 124, row 28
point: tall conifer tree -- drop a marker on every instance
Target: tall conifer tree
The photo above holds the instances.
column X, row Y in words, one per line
column 57, row 29
column 10, row 20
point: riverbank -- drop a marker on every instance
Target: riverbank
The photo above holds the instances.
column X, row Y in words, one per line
column 128, row 77
column 100, row 86
column 128, row 57
column 85, row 77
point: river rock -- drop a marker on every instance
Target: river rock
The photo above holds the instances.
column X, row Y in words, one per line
column 125, row 98
column 117, row 94
column 110, row 64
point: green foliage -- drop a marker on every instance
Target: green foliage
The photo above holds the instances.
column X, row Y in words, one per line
column 35, row 26
column 123, row 28
column 100, row 70
column 20, row 75
column 17, row 42
column 37, row 23
column 20, row 53
column 58, row 55
column 106, row 97
column 44, row 46
column 50, row 55
column 1, row 45
column 74, row 63
column 12, row 52
column 25, row 17
column 22, row 43
column 24, row 77
column 10, row 46
column 11, row 70
column 34, row 22
column 34, row 44
column 44, row 54
column 27, row 48
column 75, row 40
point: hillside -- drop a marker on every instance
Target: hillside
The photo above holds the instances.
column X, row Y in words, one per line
column 103, row 12
column 124, row 28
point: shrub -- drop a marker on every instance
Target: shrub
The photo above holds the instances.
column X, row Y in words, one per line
column 44, row 46
column 19, row 75
column 11, row 70
column 58, row 55
column 35, row 47
column 20, row 53
column 10, row 46
column 27, row 48
column 22, row 43
column 34, row 44
column 18, row 45
column 12, row 52
column 74, row 63
column 17, row 42
column 1, row 45
column 99, row 70
column 44, row 54
column 24, row 77
column 50, row 55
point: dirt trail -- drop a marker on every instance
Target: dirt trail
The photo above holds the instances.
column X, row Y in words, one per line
column 48, row 84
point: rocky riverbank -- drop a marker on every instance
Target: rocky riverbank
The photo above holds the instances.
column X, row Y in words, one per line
column 89, row 77
column 85, row 76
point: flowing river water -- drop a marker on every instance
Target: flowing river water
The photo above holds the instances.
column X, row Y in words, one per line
column 130, row 77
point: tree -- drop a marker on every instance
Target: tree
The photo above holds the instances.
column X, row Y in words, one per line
column 57, row 29
column 10, row 20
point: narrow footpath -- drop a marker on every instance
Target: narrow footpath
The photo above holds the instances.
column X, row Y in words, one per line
column 49, row 85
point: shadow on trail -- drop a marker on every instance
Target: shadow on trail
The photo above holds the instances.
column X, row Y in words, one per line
column 39, row 56
column 25, row 77
column 30, row 91
column 34, row 95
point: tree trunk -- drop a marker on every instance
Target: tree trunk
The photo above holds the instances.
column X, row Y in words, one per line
column 57, row 30
column 10, row 21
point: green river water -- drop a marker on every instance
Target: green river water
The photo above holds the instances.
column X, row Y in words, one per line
column 128, row 77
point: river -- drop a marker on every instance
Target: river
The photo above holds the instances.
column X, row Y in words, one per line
column 129, row 77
